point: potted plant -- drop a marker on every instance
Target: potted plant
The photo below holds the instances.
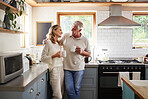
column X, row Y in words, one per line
column 13, row 15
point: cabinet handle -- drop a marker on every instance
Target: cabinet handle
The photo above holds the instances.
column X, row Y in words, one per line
column 38, row 94
column 31, row 90
column 42, row 80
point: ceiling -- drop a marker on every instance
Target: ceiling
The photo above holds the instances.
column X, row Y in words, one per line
column 130, row 5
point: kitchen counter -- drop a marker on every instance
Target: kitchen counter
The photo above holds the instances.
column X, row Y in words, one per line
column 91, row 65
column 25, row 80
column 146, row 65
column 139, row 87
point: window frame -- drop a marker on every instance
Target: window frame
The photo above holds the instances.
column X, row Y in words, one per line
column 23, row 41
column 139, row 14
column 80, row 13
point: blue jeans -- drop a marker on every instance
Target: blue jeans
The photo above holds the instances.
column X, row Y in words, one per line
column 73, row 83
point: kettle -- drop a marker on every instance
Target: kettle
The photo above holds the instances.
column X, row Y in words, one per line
column 87, row 59
column 29, row 58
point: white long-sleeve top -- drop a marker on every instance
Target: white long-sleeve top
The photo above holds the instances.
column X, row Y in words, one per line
column 49, row 50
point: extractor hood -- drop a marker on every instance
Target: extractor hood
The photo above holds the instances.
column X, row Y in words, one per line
column 116, row 20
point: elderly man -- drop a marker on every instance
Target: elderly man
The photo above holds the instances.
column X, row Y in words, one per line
column 77, row 47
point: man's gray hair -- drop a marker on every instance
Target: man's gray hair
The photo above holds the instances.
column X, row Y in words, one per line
column 79, row 23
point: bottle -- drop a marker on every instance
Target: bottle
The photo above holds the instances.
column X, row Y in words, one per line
column 105, row 55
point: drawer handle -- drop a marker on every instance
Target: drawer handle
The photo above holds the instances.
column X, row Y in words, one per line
column 31, row 90
column 42, row 80
column 38, row 94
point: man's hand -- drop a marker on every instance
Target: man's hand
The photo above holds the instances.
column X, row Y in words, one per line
column 44, row 41
column 82, row 52
column 78, row 50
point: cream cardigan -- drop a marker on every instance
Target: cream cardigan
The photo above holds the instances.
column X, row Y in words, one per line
column 47, row 52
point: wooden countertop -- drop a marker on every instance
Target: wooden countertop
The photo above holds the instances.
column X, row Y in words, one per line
column 140, row 87
column 25, row 80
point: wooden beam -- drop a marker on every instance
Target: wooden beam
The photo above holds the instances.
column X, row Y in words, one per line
column 87, row 4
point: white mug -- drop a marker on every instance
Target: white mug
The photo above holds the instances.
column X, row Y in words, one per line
column 64, row 53
column 73, row 48
column 141, row 59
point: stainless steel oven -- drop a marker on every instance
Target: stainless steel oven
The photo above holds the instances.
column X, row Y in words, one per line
column 108, row 77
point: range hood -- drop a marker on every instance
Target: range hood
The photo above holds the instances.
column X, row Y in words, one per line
column 116, row 20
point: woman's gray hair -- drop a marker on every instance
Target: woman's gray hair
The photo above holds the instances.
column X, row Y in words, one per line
column 79, row 23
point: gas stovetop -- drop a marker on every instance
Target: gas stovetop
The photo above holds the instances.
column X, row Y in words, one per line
column 119, row 62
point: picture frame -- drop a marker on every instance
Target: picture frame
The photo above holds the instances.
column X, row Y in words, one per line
column 42, row 29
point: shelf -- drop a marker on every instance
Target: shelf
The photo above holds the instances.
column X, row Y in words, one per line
column 3, row 5
column 10, row 31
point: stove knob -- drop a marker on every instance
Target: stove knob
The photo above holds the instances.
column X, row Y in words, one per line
column 127, row 67
column 139, row 67
column 135, row 67
column 131, row 67
column 102, row 67
column 110, row 67
column 124, row 68
column 106, row 67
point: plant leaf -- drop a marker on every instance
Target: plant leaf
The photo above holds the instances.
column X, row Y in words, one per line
column 14, row 16
column 19, row 3
column 10, row 15
column 23, row 8
column 14, row 22
column 14, row 26
column 18, row 27
column 17, row 14
column 7, row 8
column 21, row 13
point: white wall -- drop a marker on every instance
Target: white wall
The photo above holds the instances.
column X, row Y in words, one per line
column 11, row 42
column 117, row 41
column 8, row 41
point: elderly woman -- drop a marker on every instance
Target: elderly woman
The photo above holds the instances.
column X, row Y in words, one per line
column 51, row 55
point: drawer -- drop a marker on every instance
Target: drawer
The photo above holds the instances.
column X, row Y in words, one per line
column 91, row 72
column 42, row 81
column 30, row 92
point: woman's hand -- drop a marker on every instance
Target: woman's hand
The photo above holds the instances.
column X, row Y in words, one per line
column 58, row 54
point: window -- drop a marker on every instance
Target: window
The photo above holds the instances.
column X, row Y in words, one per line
column 140, row 34
column 66, row 19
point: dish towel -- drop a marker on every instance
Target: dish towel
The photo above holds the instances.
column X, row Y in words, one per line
column 136, row 75
column 120, row 75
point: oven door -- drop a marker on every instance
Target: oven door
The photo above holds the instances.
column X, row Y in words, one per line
column 109, row 80
column 108, row 86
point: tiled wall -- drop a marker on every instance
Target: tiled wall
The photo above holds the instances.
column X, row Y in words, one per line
column 117, row 41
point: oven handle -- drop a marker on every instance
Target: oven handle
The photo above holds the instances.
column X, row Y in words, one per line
column 112, row 72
